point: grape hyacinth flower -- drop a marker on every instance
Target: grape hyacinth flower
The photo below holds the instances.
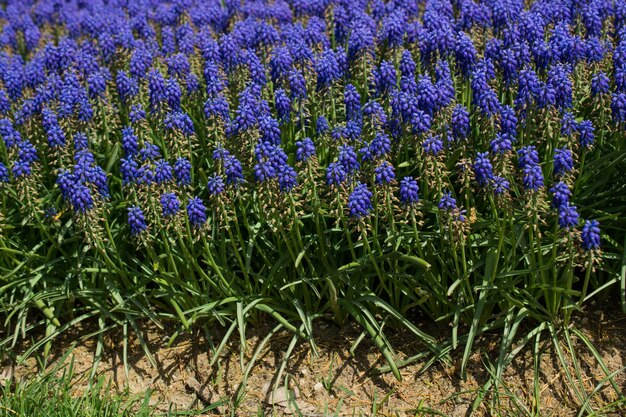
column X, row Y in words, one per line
column 563, row 161
column 321, row 125
column 4, row 173
column 129, row 169
column 287, row 178
column 348, row 159
column 360, row 201
column 591, row 235
column 136, row 220
column 196, row 212
column 433, row 145
column 305, row 149
column 384, row 173
column 599, row 84
column 447, row 202
column 409, row 190
column 585, row 131
column 182, row 171
column 460, row 122
column 21, row 169
column 216, row 185
column 568, row 216
column 170, row 204
column 162, row 171
column 483, row 168
column 500, row 185
column 129, row 141
column 233, row 170
column 80, row 198
column 532, row 178
column 568, row 124
column 618, row 107
column 560, row 194
column 501, row 144
column 335, row 174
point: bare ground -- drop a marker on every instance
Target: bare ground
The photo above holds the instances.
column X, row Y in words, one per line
column 335, row 382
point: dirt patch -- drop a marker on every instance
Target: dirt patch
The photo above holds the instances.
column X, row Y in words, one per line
column 337, row 382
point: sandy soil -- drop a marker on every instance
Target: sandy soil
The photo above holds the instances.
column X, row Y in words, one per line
column 335, row 382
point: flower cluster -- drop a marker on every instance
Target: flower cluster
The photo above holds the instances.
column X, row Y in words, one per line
column 153, row 105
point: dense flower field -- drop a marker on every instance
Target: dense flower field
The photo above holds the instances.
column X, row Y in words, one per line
column 195, row 162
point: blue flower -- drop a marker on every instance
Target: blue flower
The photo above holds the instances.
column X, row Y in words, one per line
column 599, row 84
column 163, row 171
column 483, row 168
column 508, row 121
column 407, row 64
column 560, row 194
column 128, row 169
column 144, row 175
column 281, row 62
column 217, row 107
column 447, row 202
column 348, row 159
column 270, row 130
column 233, row 170
column 216, row 185
column 80, row 198
column 150, row 152
column 591, row 235
column 384, row 173
column 375, row 111
column 568, row 216
column 361, row 39
column 27, row 152
column 66, row 182
column 196, row 212
column 500, row 185
column 568, row 124
column 129, row 141
column 420, row 121
column 618, row 107
column 335, row 174
column 379, row 147
column 528, row 155
column 287, row 178
column 305, row 149
column 394, row 28
column 170, row 204
column 136, row 220
column 297, row 84
column 460, row 122
column 385, row 78
column 137, row 113
column 157, row 89
column 321, row 125
column 264, row 171
column 359, row 202
column 127, row 87
column 180, row 121
column 4, row 173
column 501, row 144
column 532, row 177
column 21, row 168
column 283, row 105
column 433, row 145
column 563, row 161
column 182, row 171
column 585, row 131
column 352, row 101
column 409, row 190
column 80, row 141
